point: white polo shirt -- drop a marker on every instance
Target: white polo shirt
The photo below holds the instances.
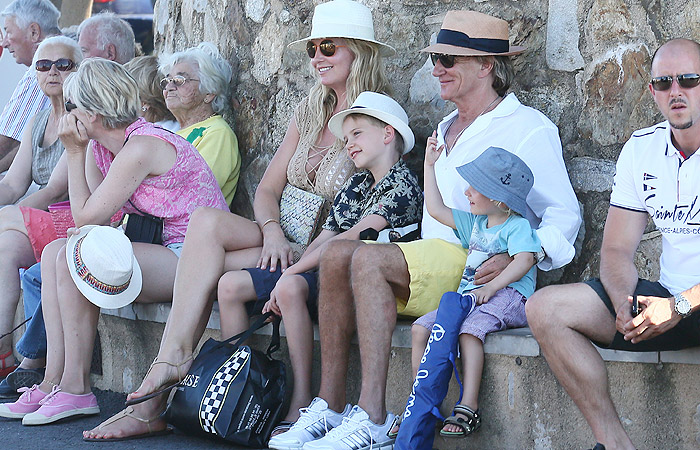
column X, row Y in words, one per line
column 552, row 205
column 26, row 100
column 653, row 177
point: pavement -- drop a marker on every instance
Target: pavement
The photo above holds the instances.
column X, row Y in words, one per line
column 67, row 434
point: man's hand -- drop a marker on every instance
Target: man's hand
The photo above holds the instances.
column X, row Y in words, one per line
column 491, row 268
column 657, row 316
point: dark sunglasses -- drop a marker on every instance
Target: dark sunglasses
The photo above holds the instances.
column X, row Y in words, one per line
column 177, row 80
column 70, row 106
column 326, row 46
column 447, row 61
column 62, row 64
column 687, row 81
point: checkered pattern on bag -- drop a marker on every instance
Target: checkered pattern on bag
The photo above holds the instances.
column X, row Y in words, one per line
column 215, row 395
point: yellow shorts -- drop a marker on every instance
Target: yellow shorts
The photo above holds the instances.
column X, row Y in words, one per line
column 435, row 267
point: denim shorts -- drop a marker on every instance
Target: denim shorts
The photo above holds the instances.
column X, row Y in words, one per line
column 264, row 282
column 684, row 335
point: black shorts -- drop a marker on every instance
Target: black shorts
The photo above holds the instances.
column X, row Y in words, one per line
column 684, row 335
column 264, row 282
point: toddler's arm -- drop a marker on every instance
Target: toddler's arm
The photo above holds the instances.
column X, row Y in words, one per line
column 433, row 200
column 522, row 262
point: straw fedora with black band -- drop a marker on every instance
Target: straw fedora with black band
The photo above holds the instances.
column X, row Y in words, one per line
column 471, row 33
column 342, row 19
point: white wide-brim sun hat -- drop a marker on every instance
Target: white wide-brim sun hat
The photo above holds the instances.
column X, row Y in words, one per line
column 381, row 107
column 342, row 19
column 102, row 264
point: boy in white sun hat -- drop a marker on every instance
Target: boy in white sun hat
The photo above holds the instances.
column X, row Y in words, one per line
column 384, row 193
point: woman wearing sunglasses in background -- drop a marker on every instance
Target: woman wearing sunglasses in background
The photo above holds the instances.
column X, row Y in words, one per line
column 196, row 91
column 346, row 60
column 23, row 227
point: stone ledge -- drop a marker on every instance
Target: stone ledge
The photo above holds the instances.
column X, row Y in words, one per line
column 515, row 342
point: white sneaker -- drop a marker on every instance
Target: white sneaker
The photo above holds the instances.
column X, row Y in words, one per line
column 356, row 432
column 313, row 423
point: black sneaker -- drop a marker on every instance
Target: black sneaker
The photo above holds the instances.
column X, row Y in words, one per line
column 17, row 379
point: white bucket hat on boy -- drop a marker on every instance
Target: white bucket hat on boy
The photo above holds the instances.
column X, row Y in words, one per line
column 342, row 19
column 102, row 264
column 379, row 106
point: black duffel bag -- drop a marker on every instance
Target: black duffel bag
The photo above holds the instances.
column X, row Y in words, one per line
column 231, row 391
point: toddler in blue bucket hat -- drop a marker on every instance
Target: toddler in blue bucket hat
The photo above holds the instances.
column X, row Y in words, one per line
column 499, row 184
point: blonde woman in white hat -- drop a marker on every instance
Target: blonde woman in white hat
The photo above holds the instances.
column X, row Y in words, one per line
column 346, row 60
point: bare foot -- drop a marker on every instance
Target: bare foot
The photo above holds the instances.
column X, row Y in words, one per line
column 162, row 374
column 128, row 423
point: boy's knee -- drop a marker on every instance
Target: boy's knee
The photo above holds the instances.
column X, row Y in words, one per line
column 419, row 335
column 229, row 287
column 292, row 292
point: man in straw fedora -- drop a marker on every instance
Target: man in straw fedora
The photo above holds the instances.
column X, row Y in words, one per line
column 657, row 176
column 363, row 287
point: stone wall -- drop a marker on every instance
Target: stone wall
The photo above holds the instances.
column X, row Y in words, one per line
column 586, row 68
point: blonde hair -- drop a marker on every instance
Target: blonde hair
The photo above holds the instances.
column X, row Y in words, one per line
column 505, row 208
column 366, row 74
column 144, row 69
column 104, row 87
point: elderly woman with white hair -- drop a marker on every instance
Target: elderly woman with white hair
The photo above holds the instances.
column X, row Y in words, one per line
column 116, row 161
column 25, row 227
column 196, row 91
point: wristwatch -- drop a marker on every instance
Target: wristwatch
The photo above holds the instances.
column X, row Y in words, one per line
column 539, row 256
column 682, row 305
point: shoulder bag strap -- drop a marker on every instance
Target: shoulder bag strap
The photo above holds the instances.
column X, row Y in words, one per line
column 259, row 323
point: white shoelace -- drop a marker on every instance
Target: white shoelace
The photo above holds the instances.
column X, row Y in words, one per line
column 350, row 424
column 307, row 416
column 52, row 395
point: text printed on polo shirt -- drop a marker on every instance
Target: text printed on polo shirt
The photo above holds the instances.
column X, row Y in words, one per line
column 684, row 213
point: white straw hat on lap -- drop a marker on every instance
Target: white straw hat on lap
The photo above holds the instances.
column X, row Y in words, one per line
column 471, row 33
column 342, row 19
column 381, row 107
column 102, row 264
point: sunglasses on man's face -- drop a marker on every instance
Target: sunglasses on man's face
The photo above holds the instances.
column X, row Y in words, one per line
column 70, row 106
column 447, row 61
column 62, row 64
column 664, row 83
column 327, row 48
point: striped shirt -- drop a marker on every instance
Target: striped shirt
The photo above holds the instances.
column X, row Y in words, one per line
column 27, row 99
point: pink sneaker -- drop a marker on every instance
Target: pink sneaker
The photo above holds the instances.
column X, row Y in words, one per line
column 59, row 405
column 28, row 402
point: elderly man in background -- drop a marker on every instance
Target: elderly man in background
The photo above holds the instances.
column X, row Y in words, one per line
column 657, row 176
column 27, row 23
column 107, row 36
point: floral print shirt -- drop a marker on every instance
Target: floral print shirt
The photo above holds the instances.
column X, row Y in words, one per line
column 397, row 197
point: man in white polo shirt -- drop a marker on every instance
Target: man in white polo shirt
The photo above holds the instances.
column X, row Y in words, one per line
column 657, row 176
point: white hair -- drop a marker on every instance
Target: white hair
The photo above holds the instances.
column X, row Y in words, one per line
column 41, row 12
column 110, row 29
column 70, row 44
column 214, row 71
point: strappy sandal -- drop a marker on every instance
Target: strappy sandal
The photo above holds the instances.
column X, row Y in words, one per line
column 469, row 425
column 395, row 425
column 163, row 389
column 129, row 412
